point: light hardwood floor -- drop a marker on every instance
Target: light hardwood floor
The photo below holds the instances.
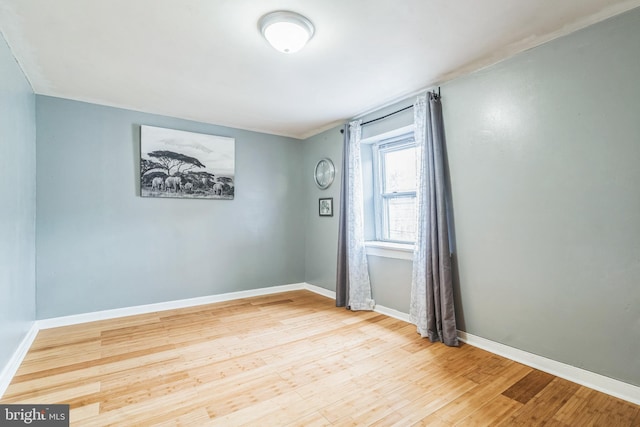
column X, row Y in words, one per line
column 290, row 359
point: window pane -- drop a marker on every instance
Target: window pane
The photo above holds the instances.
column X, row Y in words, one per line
column 401, row 214
column 400, row 170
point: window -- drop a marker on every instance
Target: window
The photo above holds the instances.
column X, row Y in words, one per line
column 395, row 189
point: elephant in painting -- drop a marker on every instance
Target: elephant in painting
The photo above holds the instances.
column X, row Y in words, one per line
column 172, row 183
column 157, row 183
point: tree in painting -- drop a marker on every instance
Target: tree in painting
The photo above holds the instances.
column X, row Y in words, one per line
column 148, row 165
column 173, row 163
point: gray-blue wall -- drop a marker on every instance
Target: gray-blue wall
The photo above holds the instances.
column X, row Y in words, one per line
column 543, row 152
column 101, row 246
column 321, row 233
column 18, row 204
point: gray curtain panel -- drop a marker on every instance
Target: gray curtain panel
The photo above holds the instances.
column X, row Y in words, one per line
column 342, row 279
column 432, row 305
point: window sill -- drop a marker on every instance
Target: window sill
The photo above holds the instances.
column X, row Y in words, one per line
column 390, row 250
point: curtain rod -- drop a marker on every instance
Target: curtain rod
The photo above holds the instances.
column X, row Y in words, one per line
column 383, row 117
column 391, row 114
column 387, row 115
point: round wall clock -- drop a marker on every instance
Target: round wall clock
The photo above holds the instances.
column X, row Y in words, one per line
column 324, row 173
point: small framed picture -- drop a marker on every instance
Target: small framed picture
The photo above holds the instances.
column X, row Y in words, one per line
column 325, row 206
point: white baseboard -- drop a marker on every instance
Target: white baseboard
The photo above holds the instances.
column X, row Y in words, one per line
column 14, row 363
column 589, row 379
column 392, row 313
column 320, row 291
column 378, row 308
column 161, row 306
column 620, row 389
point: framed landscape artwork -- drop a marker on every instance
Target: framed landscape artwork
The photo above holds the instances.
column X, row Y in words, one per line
column 187, row 165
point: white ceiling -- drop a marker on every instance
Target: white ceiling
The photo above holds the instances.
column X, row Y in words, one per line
column 205, row 60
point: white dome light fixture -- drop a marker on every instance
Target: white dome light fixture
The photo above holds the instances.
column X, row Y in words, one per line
column 286, row 31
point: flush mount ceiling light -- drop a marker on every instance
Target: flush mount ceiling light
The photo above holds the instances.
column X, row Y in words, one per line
column 286, row 31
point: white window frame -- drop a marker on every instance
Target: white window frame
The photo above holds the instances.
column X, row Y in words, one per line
column 390, row 250
column 401, row 142
column 403, row 251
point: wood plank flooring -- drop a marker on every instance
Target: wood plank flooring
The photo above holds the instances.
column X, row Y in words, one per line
column 290, row 359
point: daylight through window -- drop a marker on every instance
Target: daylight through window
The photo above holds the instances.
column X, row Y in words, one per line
column 395, row 189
